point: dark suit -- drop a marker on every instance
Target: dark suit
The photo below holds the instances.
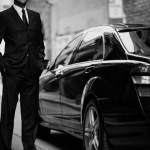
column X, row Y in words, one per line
column 23, row 64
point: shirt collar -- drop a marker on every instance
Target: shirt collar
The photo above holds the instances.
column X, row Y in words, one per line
column 19, row 9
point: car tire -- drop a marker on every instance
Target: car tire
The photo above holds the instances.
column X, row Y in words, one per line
column 43, row 131
column 94, row 135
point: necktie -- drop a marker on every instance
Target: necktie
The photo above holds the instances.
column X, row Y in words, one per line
column 24, row 18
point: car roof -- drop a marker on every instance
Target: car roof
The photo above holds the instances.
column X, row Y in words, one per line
column 125, row 26
column 120, row 27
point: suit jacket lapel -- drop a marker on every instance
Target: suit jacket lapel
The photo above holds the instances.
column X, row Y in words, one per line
column 30, row 17
column 17, row 17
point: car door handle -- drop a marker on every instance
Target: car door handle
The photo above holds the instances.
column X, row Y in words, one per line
column 58, row 74
column 89, row 69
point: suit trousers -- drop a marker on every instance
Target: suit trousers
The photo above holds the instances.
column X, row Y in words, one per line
column 28, row 88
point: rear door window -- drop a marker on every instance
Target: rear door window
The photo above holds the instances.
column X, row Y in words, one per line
column 88, row 47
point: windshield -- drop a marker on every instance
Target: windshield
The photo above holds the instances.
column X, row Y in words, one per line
column 137, row 41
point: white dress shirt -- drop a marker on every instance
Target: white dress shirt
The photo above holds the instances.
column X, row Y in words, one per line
column 19, row 11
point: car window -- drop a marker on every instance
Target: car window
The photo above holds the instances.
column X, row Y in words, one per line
column 113, row 49
column 98, row 54
column 108, row 45
column 88, row 46
column 65, row 56
column 137, row 41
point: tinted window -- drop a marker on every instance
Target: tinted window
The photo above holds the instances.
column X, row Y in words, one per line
column 88, row 46
column 137, row 41
column 113, row 49
column 99, row 51
column 65, row 56
column 108, row 45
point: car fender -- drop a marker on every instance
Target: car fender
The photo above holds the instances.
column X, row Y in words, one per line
column 96, row 87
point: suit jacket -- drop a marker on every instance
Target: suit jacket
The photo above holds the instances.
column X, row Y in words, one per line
column 20, row 41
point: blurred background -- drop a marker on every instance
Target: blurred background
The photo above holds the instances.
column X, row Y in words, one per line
column 64, row 19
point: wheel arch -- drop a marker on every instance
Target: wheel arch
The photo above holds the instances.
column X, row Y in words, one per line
column 95, row 88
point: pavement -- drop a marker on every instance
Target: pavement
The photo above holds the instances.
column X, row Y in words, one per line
column 17, row 144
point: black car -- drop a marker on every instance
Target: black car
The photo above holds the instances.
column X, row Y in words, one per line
column 98, row 88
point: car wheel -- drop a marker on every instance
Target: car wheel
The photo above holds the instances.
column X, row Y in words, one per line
column 94, row 135
column 43, row 131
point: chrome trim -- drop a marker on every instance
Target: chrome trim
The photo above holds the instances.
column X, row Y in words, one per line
column 125, row 61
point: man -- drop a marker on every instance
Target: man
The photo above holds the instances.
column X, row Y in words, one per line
column 21, row 66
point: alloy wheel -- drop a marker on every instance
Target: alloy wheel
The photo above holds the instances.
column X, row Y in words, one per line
column 91, row 129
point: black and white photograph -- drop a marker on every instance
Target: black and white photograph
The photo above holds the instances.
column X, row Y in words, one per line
column 74, row 74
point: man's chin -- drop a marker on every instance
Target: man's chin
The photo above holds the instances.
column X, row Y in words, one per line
column 21, row 3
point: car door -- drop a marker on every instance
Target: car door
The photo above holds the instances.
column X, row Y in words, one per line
column 74, row 78
column 50, row 98
column 50, row 91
